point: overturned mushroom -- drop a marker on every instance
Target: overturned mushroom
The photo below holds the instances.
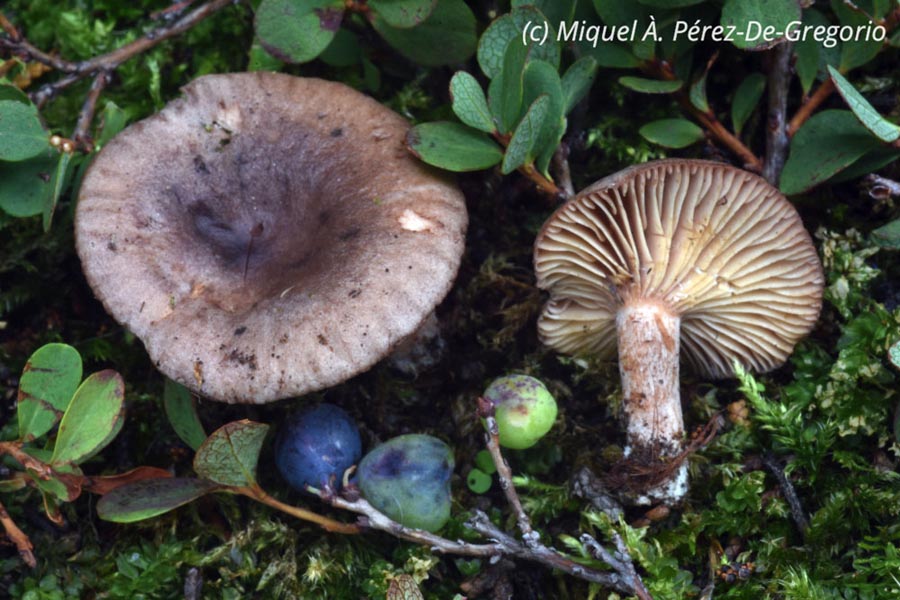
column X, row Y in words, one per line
column 671, row 254
column 266, row 235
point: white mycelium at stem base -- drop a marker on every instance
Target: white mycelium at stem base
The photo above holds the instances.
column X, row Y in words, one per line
column 648, row 338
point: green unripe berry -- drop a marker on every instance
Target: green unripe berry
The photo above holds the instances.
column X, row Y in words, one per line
column 524, row 408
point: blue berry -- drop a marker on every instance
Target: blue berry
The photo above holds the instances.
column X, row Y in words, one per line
column 316, row 446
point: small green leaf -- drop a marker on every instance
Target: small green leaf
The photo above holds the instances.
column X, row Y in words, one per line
column 112, row 120
column 484, row 462
column 403, row 13
column 21, row 133
column 182, row 412
column 57, row 185
column 446, row 37
column 297, row 31
column 577, row 81
column 509, row 29
column 478, row 481
column 826, row 144
column 697, row 94
column 865, row 112
column 343, row 51
column 27, row 185
column 759, row 24
column 612, row 55
column 11, row 92
column 672, row 133
column 230, row 454
column 859, row 51
column 542, row 79
column 403, row 587
column 64, row 491
column 888, row 236
column 150, row 498
column 505, row 91
column 555, row 11
column 746, row 98
column 469, row 102
column 48, row 382
column 809, row 51
column 650, row 86
column 93, row 418
column 453, row 146
column 259, row 59
column 521, row 149
column 869, row 162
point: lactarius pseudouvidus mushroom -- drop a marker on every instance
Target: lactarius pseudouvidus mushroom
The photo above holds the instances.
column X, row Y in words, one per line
column 669, row 256
column 266, row 235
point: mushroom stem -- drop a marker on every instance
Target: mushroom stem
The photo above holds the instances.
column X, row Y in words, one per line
column 648, row 338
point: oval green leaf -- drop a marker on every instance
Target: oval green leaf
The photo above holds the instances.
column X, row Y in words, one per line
column 448, row 36
column 746, row 97
column 508, row 29
column 577, row 81
column 478, row 481
column 469, row 103
column 521, row 149
column 22, row 135
column 403, row 13
column 672, row 133
column 182, row 412
column 888, row 236
column 11, row 92
column 453, row 146
column 826, row 144
column 865, row 112
column 297, row 31
column 403, row 587
column 94, row 417
column 230, row 454
column 485, row 462
column 48, row 382
column 650, row 86
column 61, row 488
column 58, row 182
column 343, row 51
column 150, row 498
column 759, row 24
column 505, row 90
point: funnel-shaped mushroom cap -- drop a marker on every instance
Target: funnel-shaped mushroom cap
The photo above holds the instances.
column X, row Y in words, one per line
column 266, row 235
column 716, row 245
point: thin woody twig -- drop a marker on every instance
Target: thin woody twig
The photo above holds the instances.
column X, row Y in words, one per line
column 621, row 562
column 81, row 135
column 75, row 71
column 561, row 167
column 777, row 139
column 504, row 475
column 787, row 489
column 18, row 537
column 707, row 118
column 824, row 91
column 809, row 107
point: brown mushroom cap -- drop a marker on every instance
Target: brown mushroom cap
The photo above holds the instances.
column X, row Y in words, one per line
column 266, row 235
column 718, row 246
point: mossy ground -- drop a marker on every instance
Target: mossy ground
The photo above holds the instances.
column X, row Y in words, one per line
column 828, row 416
